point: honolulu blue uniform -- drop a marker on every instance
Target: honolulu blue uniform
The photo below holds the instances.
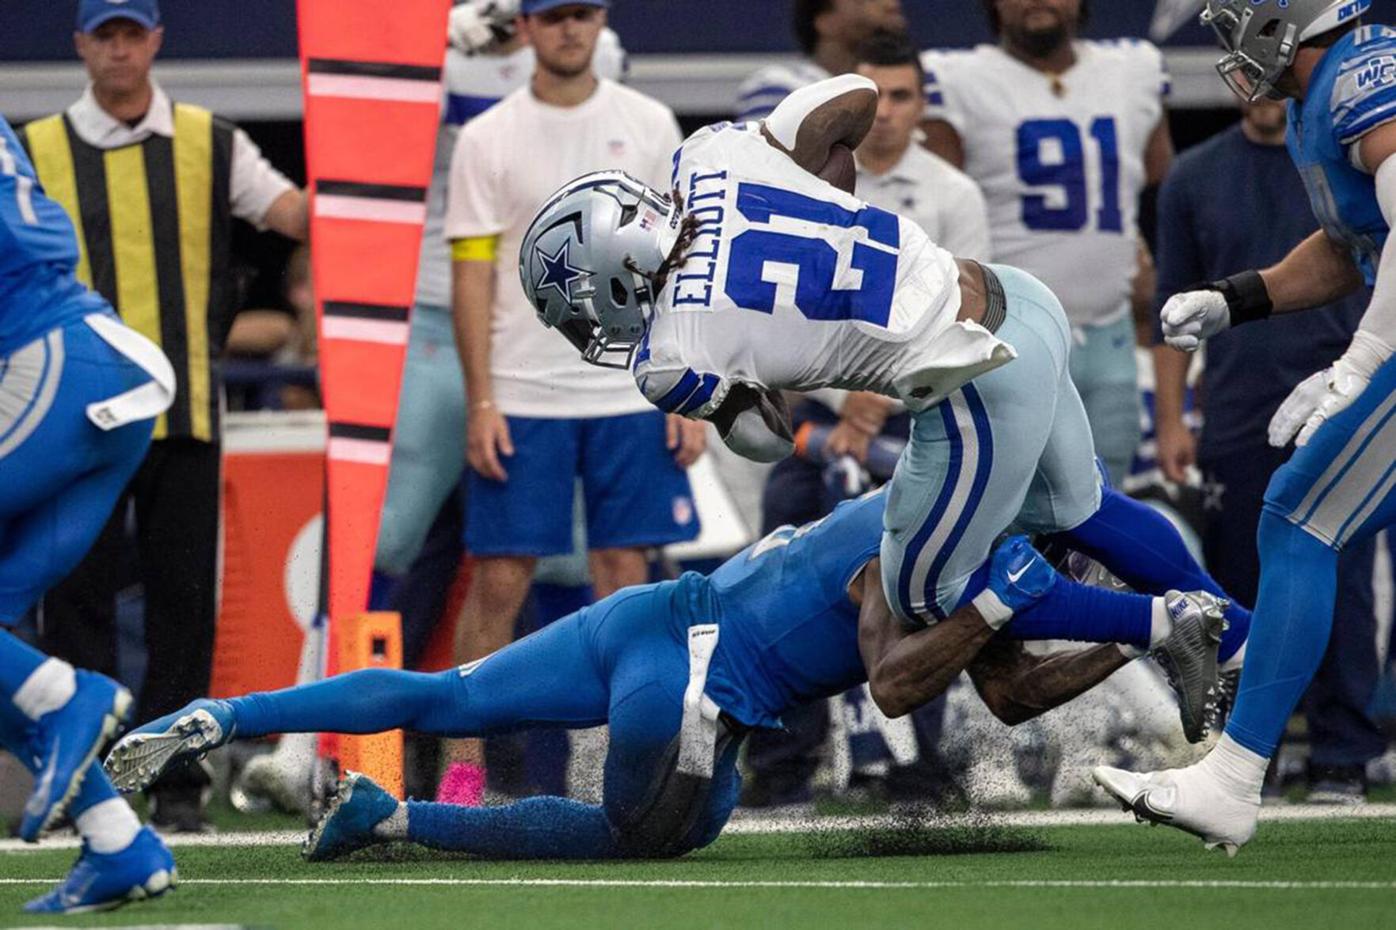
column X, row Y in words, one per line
column 1337, row 489
column 60, row 468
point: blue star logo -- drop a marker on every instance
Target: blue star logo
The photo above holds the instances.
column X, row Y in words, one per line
column 558, row 272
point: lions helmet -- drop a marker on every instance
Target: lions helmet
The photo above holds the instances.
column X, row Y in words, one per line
column 588, row 260
column 1261, row 37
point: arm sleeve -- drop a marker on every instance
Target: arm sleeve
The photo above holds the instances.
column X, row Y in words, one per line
column 473, row 208
column 255, row 184
column 1380, row 318
column 1179, row 255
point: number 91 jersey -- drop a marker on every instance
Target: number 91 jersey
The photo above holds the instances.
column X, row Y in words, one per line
column 1060, row 160
column 792, row 284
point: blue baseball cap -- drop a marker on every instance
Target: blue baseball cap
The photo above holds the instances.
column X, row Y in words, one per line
column 542, row 6
column 93, row 13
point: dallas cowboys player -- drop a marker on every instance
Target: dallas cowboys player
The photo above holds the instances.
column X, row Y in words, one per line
column 761, row 277
column 681, row 670
column 1337, row 489
column 79, row 393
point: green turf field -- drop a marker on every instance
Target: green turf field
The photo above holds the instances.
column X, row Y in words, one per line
column 1298, row 874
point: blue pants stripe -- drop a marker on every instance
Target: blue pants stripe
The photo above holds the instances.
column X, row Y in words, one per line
column 1373, row 432
column 982, row 467
column 928, row 528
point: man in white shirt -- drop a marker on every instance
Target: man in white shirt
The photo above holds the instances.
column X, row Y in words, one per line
column 829, row 33
column 539, row 417
column 152, row 187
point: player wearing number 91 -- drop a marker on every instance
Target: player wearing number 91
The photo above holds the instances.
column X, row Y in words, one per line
column 1339, row 488
column 759, row 276
column 1063, row 135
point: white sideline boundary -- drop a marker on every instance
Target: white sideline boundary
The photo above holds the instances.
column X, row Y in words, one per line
column 749, row 825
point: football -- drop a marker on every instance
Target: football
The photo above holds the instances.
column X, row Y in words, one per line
column 840, row 170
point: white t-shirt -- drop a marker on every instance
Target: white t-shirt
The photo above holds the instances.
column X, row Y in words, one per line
column 507, row 162
column 943, row 200
column 792, row 284
column 1062, row 174
column 473, row 84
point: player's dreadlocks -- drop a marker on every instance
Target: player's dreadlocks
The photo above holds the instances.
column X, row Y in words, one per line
column 992, row 8
column 688, row 234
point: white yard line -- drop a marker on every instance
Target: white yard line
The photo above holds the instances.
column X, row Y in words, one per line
column 749, row 825
column 701, row 884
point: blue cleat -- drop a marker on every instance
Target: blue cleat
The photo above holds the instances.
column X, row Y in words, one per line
column 144, row 753
column 347, row 825
column 1019, row 575
column 99, row 882
column 65, row 743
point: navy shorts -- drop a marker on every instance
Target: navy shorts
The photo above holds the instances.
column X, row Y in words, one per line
column 635, row 495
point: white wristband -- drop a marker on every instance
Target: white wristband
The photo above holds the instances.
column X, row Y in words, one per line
column 994, row 611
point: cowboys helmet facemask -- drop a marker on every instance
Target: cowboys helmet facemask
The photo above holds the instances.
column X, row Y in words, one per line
column 1262, row 38
column 585, row 258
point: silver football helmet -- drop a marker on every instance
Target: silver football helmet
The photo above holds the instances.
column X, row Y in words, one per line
column 1262, row 37
column 588, row 258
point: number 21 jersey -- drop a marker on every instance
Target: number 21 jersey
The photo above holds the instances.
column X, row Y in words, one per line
column 1060, row 160
column 792, row 284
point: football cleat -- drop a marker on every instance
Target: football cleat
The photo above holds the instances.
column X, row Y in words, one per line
column 100, row 882
column 1189, row 799
column 347, row 825
column 65, row 743
column 144, row 753
column 1188, row 656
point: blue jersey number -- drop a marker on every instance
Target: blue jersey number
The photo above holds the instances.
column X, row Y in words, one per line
column 816, row 259
column 1067, row 172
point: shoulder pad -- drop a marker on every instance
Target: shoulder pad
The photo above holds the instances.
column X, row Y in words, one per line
column 1364, row 92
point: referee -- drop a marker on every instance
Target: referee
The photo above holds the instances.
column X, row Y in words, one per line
column 152, row 188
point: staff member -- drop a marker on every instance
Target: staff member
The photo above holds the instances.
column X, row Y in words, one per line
column 152, row 187
column 539, row 416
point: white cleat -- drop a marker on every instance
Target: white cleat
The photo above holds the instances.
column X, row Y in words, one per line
column 1190, row 799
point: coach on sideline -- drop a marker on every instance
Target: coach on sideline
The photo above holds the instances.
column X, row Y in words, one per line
column 540, row 417
column 152, row 188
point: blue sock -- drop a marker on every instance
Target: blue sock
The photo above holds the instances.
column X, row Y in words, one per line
column 1085, row 613
column 1298, row 580
column 14, row 733
column 18, row 660
column 1141, row 548
column 534, row 828
column 95, row 789
column 369, row 701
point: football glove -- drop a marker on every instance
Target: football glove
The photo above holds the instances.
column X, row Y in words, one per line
column 480, row 26
column 1201, row 313
column 1321, row 397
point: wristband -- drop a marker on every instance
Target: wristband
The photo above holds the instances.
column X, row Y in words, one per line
column 992, row 608
column 1247, row 297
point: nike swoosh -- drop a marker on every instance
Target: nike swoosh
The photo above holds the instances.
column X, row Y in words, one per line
column 1014, row 576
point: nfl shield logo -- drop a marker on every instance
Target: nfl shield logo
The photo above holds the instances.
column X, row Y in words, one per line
column 683, row 511
column 617, row 147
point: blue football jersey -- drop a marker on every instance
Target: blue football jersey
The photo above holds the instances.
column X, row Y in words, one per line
column 38, row 252
column 788, row 631
column 1352, row 92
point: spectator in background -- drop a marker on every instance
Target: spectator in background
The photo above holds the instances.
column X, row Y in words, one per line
column 1064, row 136
column 539, row 416
column 1218, row 195
column 152, row 188
column 829, row 33
column 282, row 336
column 896, row 174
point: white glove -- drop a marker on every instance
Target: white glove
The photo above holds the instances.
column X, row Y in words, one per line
column 1192, row 316
column 1337, row 388
column 476, row 25
column 1297, row 408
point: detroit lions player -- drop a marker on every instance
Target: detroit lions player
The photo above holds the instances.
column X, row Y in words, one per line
column 79, row 393
column 1338, row 487
column 761, row 276
column 681, row 670
column 1063, row 135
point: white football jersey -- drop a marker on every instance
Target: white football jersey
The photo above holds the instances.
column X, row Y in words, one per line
column 792, row 284
column 1060, row 160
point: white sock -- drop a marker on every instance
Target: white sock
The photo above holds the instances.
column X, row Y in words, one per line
column 1161, row 625
column 1237, row 660
column 108, row 827
column 1237, row 769
column 393, row 826
column 51, row 686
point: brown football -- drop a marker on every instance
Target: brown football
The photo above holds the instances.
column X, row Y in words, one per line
column 840, row 170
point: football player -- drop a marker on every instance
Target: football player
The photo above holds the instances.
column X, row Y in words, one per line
column 79, row 394
column 681, row 671
column 1340, row 78
column 1063, row 136
column 760, row 276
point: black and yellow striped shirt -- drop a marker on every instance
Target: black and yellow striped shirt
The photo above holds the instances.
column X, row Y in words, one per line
column 154, row 223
